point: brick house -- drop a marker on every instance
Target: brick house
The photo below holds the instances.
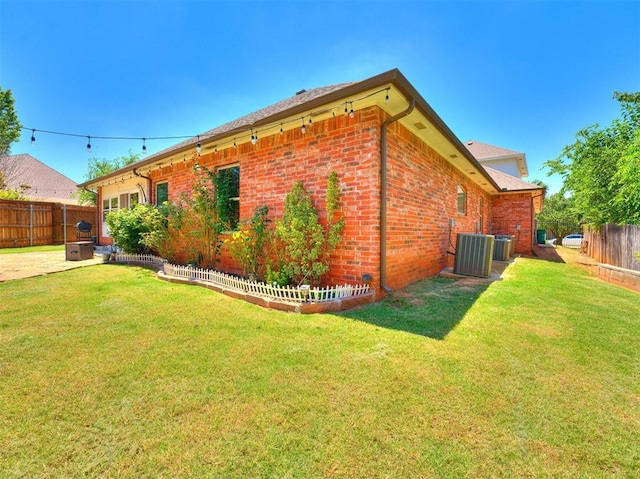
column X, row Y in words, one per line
column 403, row 174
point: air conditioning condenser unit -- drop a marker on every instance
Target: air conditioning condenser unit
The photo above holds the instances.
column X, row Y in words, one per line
column 474, row 255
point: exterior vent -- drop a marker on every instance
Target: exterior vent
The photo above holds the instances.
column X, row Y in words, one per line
column 474, row 254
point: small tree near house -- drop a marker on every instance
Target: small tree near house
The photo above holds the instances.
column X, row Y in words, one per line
column 304, row 245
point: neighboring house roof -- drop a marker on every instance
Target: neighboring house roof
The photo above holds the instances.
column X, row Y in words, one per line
column 45, row 183
column 486, row 154
column 321, row 103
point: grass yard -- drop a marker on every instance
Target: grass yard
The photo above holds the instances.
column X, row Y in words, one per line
column 108, row 372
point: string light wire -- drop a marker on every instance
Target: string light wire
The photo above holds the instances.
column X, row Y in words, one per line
column 250, row 134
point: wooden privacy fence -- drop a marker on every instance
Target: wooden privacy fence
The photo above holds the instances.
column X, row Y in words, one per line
column 614, row 245
column 35, row 223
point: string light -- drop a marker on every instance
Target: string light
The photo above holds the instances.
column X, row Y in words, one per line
column 253, row 136
column 33, row 137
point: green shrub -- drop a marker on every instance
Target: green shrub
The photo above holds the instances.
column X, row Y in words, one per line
column 305, row 245
column 247, row 245
column 129, row 227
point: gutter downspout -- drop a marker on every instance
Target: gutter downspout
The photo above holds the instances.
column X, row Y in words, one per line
column 383, row 192
column 150, row 181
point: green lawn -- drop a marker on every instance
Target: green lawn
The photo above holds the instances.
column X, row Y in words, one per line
column 108, row 372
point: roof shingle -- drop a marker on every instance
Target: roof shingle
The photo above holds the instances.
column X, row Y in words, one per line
column 45, row 183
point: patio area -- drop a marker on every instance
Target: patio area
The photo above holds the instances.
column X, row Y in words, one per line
column 26, row 265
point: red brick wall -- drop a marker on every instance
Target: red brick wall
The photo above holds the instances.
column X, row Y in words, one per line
column 423, row 193
column 510, row 210
column 268, row 170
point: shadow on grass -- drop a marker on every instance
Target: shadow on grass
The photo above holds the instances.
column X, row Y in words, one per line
column 547, row 253
column 431, row 307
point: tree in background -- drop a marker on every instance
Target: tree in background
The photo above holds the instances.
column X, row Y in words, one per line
column 99, row 167
column 10, row 126
column 601, row 168
column 559, row 216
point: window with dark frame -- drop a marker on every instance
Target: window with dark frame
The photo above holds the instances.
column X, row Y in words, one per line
column 162, row 193
column 230, row 177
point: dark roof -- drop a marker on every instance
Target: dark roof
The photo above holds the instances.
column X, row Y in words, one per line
column 46, row 184
column 258, row 117
column 302, row 103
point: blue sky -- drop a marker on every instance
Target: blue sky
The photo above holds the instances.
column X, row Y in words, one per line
column 523, row 75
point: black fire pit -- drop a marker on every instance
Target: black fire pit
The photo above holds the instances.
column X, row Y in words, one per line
column 83, row 230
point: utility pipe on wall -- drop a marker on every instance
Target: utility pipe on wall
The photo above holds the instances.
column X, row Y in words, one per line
column 383, row 192
column 149, row 183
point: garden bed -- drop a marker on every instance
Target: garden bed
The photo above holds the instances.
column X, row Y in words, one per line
column 284, row 298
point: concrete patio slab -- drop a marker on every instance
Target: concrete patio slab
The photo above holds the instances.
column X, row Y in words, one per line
column 26, row 265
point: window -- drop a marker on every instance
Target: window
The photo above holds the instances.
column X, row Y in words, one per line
column 108, row 205
column 128, row 200
column 462, row 201
column 228, row 190
column 162, row 193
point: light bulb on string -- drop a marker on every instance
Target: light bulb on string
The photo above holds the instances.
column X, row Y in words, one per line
column 351, row 113
column 386, row 97
column 281, row 130
column 144, row 146
column 198, row 146
column 304, row 128
column 254, row 138
column 235, row 145
column 88, row 144
column 33, row 137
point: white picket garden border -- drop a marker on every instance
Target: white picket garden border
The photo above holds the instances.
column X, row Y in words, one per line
column 227, row 281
